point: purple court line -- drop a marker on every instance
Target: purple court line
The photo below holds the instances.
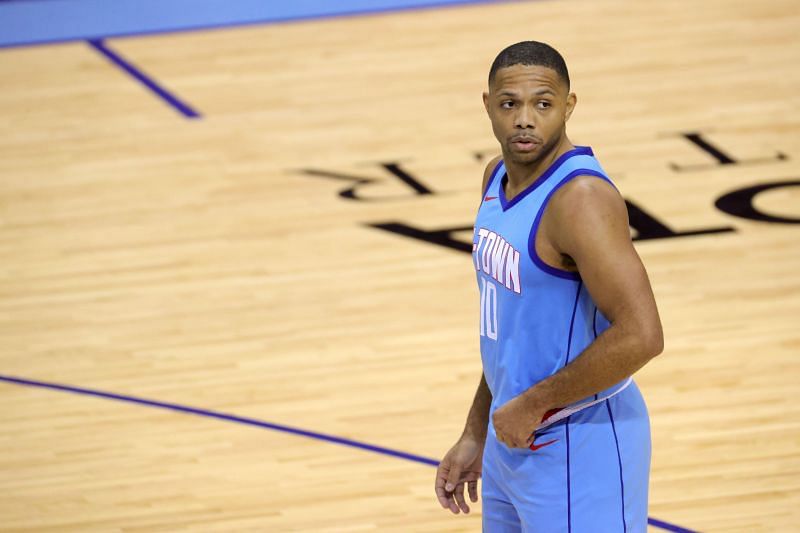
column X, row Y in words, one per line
column 669, row 527
column 223, row 416
column 266, row 425
column 143, row 78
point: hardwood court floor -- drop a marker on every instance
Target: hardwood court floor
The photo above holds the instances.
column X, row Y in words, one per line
column 195, row 262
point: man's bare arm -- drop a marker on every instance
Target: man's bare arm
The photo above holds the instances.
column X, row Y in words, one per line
column 590, row 224
column 462, row 464
column 487, row 173
column 478, row 418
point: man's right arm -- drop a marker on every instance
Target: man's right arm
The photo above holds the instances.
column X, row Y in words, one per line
column 478, row 418
column 462, row 464
column 487, row 173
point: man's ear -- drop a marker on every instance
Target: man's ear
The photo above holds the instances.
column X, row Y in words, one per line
column 486, row 101
column 572, row 100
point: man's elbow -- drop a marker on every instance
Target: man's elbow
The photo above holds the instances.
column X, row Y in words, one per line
column 652, row 340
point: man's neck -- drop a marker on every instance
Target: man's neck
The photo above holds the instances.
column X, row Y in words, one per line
column 521, row 176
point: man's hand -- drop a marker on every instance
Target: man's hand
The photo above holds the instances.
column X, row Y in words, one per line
column 462, row 464
column 515, row 421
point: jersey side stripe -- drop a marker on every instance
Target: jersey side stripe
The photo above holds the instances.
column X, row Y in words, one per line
column 619, row 460
column 569, row 492
column 572, row 322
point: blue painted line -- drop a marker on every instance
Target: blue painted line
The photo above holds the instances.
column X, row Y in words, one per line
column 264, row 425
column 669, row 527
column 227, row 417
column 143, row 78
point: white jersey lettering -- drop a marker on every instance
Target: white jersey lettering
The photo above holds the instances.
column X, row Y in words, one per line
column 491, row 239
column 512, row 271
column 497, row 258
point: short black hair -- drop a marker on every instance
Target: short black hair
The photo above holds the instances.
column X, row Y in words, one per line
column 530, row 53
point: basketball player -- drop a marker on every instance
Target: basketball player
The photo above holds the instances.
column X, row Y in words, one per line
column 557, row 429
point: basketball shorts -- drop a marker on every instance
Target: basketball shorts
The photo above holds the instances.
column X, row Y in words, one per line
column 592, row 478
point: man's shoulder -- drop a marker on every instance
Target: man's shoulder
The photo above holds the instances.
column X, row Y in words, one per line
column 487, row 172
column 586, row 190
column 585, row 205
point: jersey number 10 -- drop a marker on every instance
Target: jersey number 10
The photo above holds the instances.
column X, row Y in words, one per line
column 488, row 309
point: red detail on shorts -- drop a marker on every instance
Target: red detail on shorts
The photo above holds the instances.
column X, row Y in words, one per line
column 550, row 413
column 490, row 198
column 535, row 446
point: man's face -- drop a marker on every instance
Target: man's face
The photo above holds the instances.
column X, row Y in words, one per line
column 528, row 106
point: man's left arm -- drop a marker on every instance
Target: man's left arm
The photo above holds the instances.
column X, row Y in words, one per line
column 590, row 224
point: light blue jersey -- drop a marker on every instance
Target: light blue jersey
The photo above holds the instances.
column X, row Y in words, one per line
column 534, row 320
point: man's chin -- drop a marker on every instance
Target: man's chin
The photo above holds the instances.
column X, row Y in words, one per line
column 524, row 158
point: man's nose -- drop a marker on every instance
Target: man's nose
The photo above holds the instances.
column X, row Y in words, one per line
column 525, row 117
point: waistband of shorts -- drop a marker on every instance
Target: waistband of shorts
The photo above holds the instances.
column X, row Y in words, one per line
column 556, row 415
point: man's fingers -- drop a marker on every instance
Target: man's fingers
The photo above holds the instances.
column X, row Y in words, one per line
column 453, row 477
column 451, row 486
column 446, row 482
column 514, row 441
column 459, row 494
column 473, row 491
column 444, row 499
column 452, row 505
column 502, row 438
column 441, row 494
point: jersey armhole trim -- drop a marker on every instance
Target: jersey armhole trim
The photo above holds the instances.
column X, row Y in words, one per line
column 553, row 271
column 491, row 179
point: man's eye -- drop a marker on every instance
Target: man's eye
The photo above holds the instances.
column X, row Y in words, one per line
column 507, row 104
column 544, row 105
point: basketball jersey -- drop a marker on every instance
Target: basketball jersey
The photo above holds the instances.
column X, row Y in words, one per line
column 534, row 318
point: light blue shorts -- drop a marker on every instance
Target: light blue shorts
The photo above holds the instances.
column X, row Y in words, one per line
column 592, row 479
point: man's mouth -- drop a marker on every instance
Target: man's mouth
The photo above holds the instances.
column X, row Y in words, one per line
column 525, row 144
